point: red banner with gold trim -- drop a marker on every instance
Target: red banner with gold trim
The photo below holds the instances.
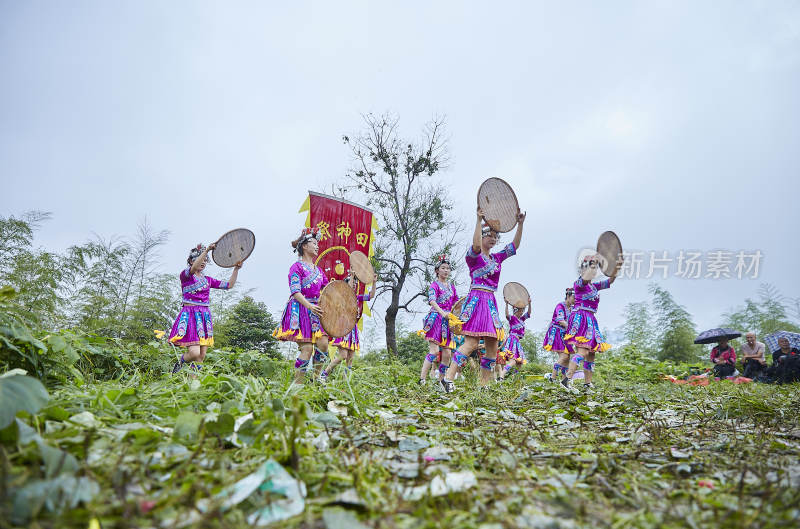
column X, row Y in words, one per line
column 344, row 227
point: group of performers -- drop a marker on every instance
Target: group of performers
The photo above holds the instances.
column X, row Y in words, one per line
column 479, row 318
column 573, row 334
column 300, row 322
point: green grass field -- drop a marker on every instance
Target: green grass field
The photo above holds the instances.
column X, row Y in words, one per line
column 149, row 450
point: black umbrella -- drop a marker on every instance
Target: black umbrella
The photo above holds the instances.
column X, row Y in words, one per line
column 715, row 335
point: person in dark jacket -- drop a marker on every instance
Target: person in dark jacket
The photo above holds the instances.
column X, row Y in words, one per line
column 786, row 362
column 785, row 350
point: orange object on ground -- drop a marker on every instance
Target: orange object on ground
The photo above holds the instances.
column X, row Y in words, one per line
column 694, row 380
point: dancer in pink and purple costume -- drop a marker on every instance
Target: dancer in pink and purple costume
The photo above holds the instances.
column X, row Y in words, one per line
column 512, row 352
column 479, row 317
column 583, row 332
column 193, row 327
column 436, row 325
column 300, row 322
column 554, row 337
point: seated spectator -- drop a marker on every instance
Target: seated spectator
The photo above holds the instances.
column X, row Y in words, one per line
column 785, row 350
column 724, row 359
column 753, row 356
column 785, row 366
column 789, row 369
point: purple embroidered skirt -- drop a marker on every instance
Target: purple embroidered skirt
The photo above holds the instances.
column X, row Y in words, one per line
column 436, row 329
column 298, row 324
column 554, row 340
column 512, row 349
column 349, row 341
column 193, row 326
column 480, row 315
column 583, row 331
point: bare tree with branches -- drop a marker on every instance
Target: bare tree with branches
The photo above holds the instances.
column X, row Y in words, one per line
column 140, row 262
column 396, row 179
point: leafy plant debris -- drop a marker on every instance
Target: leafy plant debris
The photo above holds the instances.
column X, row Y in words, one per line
column 236, row 448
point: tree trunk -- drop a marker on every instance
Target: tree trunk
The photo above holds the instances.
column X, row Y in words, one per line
column 394, row 307
column 391, row 335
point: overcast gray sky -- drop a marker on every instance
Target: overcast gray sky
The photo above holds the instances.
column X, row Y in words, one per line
column 673, row 123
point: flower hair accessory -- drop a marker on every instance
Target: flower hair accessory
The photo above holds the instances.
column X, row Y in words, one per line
column 442, row 259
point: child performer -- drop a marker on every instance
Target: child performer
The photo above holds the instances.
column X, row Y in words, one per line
column 348, row 344
column 512, row 349
column 300, row 321
column 479, row 313
column 193, row 328
column 583, row 332
column 554, row 338
column 436, row 325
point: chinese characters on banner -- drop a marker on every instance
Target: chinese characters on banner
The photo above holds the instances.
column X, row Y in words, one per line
column 344, row 227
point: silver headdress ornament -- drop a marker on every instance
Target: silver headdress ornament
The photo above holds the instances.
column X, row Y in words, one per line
column 306, row 235
column 196, row 252
column 588, row 261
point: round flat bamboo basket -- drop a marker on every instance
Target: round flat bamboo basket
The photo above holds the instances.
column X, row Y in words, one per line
column 499, row 204
column 339, row 309
column 234, row 246
column 610, row 249
column 362, row 268
column 516, row 294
